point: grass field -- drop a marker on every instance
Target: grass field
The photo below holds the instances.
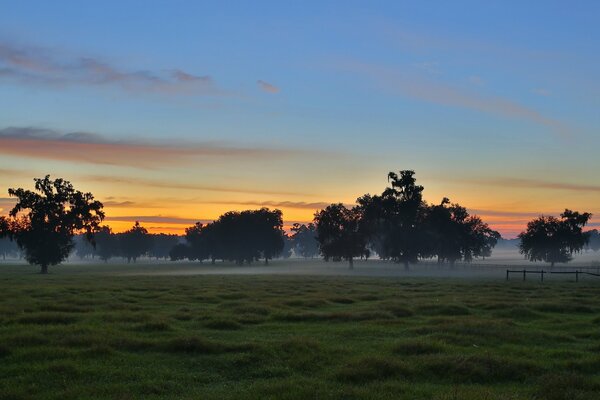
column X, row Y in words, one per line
column 98, row 335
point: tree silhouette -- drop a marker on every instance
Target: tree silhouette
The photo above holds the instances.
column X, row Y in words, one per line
column 394, row 220
column 106, row 243
column 179, row 252
column 135, row 242
column 288, row 247
column 304, row 240
column 340, row 233
column 454, row 235
column 268, row 234
column 162, row 243
column 197, row 238
column 236, row 236
column 43, row 222
column 594, row 240
column 552, row 239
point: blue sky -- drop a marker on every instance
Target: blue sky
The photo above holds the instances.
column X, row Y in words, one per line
column 494, row 104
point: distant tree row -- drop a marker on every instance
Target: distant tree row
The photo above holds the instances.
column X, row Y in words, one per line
column 240, row 237
column 131, row 244
column 400, row 226
column 246, row 236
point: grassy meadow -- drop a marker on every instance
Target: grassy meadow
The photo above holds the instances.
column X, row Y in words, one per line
column 97, row 335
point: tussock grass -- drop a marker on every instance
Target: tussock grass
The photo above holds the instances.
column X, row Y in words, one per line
column 442, row 309
column 418, row 347
column 223, row 324
column 372, row 368
column 47, row 318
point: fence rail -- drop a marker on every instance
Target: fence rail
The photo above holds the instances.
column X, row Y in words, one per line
column 524, row 272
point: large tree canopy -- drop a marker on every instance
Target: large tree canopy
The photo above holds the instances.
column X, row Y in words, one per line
column 235, row 236
column 304, row 240
column 340, row 233
column 43, row 222
column 554, row 240
column 394, row 220
column 452, row 234
column 135, row 242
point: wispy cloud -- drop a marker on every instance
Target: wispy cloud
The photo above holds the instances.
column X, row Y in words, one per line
column 278, row 204
column 39, row 65
column 161, row 219
column 542, row 92
column 92, row 148
column 511, row 215
column 431, row 67
column 433, row 91
column 476, row 80
column 532, row 184
column 133, row 182
column 267, row 87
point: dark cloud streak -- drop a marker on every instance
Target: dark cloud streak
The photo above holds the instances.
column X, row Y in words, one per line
column 92, row 148
column 41, row 66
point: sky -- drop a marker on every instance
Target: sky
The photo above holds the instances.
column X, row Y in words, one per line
column 172, row 112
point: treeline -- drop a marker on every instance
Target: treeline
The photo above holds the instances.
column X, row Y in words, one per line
column 397, row 225
column 129, row 245
column 240, row 237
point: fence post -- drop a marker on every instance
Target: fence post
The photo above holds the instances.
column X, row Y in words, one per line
column 506, row 274
column 542, row 274
column 577, row 276
column 524, row 273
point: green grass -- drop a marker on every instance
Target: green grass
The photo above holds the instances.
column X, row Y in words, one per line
column 97, row 335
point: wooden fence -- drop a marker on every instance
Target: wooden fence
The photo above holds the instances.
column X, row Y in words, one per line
column 541, row 273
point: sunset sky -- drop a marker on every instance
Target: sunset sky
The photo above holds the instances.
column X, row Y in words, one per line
column 176, row 111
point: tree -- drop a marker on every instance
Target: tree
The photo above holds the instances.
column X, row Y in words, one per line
column 340, row 233
column 552, row 239
column 394, row 220
column 198, row 241
column 269, row 234
column 304, row 240
column 288, row 246
column 135, row 242
column 43, row 222
column 594, row 240
column 162, row 243
column 236, row 236
column 453, row 234
column 179, row 252
column 106, row 243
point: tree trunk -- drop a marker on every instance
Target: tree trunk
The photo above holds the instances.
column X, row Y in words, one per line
column 552, row 265
column 350, row 263
column 44, row 269
column 213, row 261
column 266, row 261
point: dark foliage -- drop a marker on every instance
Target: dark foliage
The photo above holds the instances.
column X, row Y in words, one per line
column 304, row 240
column 236, row 236
column 44, row 221
column 552, row 239
column 135, row 242
column 340, row 233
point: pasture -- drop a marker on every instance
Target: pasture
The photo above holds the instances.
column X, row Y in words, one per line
column 139, row 332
